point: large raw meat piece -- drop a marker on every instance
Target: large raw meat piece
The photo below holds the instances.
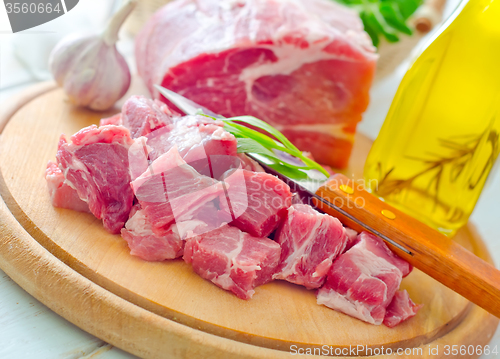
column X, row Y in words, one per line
column 62, row 195
column 95, row 164
column 172, row 191
column 233, row 260
column 304, row 66
column 309, row 241
column 400, row 309
column 258, row 201
column 362, row 281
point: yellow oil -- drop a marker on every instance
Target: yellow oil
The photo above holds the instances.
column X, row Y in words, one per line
column 441, row 136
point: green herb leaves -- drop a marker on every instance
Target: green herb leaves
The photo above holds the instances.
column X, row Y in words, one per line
column 274, row 151
column 385, row 18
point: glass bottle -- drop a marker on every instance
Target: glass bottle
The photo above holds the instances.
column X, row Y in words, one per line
column 440, row 139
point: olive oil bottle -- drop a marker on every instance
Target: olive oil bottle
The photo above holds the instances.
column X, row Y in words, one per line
column 440, row 139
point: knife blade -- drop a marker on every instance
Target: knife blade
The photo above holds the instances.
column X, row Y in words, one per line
column 422, row 246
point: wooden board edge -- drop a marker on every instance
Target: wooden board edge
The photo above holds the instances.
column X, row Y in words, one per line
column 14, row 103
column 274, row 344
column 479, row 247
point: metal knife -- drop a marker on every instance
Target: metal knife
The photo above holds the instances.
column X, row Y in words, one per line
column 425, row 248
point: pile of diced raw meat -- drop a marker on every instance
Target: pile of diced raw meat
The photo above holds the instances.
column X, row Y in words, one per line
column 176, row 187
column 304, row 66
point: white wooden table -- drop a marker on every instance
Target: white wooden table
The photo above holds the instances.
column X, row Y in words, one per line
column 28, row 329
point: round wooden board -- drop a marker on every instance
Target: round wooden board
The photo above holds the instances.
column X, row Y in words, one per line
column 71, row 264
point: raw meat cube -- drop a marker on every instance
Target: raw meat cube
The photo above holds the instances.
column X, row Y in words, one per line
column 168, row 244
column 400, row 309
column 138, row 158
column 258, row 201
column 196, row 138
column 309, row 241
column 363, row 280
column 62, row 195
column 304, row 66
column 142, row 115
column 249, row 164
column 201, row 141
column 115, row 120
column 105, row 134
column 377, row 246
column 95, row 163
column 146, row 244
column 172, row 191
column 211, row 216
column 351, row 237
column 233, row 260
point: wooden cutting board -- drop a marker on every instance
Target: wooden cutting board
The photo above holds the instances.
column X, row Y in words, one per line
column 70, row 263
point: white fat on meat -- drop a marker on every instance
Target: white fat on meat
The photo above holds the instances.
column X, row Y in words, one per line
column 102, row 151
column 309, row 241
column 171, row 191
column 232, row 259
column 363, row 281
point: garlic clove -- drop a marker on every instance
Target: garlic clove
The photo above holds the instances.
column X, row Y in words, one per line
column 99, row 76
column 89, row 67
column 65, row 53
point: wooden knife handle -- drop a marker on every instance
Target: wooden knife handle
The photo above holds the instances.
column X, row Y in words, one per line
column 432, row 252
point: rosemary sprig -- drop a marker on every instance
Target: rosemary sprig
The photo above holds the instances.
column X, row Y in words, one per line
column 462, row 154
column 253, row 141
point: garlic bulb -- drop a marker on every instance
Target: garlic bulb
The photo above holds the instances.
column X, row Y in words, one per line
column 89, row 67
